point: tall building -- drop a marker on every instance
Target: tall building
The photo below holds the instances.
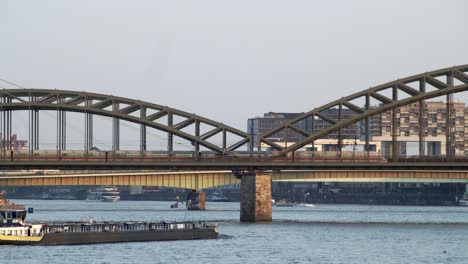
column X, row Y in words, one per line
column 434, row 122
column 260, row 125
column 270, row 120
column 349, row 132
column 380, row 128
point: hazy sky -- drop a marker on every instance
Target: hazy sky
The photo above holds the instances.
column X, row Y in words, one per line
column 228, row 60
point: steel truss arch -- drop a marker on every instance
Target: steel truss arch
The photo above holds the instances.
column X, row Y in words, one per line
column 130, row 110
column 442, row 81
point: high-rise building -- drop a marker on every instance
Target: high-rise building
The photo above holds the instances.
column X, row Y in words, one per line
column 349, row 132
column 434, row 128
column 260, row 125
column 380, row 128
column 270, row 120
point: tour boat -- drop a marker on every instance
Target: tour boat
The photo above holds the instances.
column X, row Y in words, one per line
column 15, row 231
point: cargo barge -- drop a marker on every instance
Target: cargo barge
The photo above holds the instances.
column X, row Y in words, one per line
column 14, row 230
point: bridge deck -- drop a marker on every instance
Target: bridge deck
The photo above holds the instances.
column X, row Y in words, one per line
column 230, row 165
column 207, row 179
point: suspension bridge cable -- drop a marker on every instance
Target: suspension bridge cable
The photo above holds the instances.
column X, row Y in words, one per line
column 14, row 84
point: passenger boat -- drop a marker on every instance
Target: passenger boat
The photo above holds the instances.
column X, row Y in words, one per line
column 15, row 231
column 104, row 194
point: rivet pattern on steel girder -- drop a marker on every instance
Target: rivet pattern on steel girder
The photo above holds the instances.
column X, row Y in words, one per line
column 407, row 90
column 135, row 111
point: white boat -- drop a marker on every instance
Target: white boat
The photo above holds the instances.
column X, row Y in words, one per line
column 104, row 194
column 218, row 197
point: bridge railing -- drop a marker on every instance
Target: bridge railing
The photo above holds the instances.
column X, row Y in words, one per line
column 438, row 158
column 184, row 156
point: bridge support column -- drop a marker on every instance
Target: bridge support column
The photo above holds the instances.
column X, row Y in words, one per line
column 115, row 131
column 256, row 198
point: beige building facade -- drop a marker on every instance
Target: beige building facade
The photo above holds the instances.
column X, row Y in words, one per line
column 434, row 128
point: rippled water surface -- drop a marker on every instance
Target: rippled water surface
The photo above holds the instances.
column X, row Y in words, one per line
column 321, row 234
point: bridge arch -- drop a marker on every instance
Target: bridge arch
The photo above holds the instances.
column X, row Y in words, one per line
column 139, row 112
column 416, row 88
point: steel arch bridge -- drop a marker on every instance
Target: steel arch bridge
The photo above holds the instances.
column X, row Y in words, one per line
column 143, row 113
column 389, row 97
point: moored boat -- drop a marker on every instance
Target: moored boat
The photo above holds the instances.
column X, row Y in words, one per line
column 14, row 230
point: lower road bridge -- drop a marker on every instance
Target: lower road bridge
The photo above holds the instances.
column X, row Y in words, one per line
column 199, row 180
column 255, row 187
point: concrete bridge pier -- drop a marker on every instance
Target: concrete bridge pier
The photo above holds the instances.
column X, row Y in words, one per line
column 255, row 197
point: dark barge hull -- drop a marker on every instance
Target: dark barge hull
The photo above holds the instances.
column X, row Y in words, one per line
column 79, row 238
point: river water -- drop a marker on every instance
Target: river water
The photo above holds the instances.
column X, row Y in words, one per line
column 322, row 234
